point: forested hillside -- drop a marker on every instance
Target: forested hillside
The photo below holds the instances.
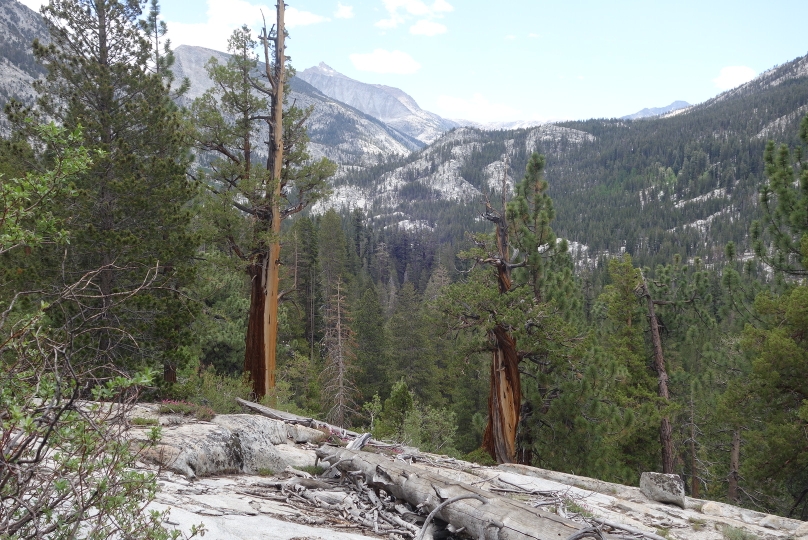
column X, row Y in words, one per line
column 603, row 297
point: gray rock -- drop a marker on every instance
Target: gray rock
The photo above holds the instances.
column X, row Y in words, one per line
column 303, row 434
column 296, row 457
column 666, row 488
column 802, row 531
column 257, row 436
column 711, row 508
column 272, row 431
column 204, row 449
column 777, row 522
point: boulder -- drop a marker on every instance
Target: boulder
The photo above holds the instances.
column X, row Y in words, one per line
column 778, row 522
column 802, row 531
column 711, row 508
column 665, row 488
column 303, row 434
column 204, row 449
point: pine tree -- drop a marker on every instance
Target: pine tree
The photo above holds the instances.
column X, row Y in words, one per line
column 233, row 118
column 775, row 394
column 130, row 219
column 531, row 269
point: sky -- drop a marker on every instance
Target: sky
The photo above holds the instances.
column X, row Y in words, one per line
column 515, row 60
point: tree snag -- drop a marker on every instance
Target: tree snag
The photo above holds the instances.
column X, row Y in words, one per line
column 505, row 392
column 665, row 430
column 264, row 272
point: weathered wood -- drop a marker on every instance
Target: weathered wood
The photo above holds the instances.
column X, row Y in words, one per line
column 499, row 518
column 289, row 418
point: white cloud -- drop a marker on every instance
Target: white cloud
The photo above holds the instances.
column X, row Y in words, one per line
column 533, row 35
column 426, row 27
column 295, row 17
column 441, row 5
column 402, row 10
column 34, row 4
column 224, row 16
column 510, row 37
column 732, row 76
column 476, row 108
column 343, row 12
column 382, row 61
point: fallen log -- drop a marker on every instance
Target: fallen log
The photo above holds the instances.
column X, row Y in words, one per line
column 484, row 515
column 289, row 418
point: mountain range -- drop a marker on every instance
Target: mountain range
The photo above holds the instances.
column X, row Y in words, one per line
column 676, row 179
column 657, row 111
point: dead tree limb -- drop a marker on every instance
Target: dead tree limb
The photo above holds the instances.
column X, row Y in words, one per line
column 484, row 515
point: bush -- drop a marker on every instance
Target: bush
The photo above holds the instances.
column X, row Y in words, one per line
column 407, row 421
column 67, row 470
column 217, row 392
column 480, row 457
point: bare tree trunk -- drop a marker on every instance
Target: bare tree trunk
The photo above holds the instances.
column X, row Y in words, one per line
column 734, row 466
column 504, row 399
column 274, row 266
column 694, row 477
column 665, row 431
column 262, row 328
column 255, row 352
column 483, row 515
column 505, row 391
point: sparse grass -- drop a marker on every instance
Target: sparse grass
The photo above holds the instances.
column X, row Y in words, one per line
column 572, row 506
column 200, row 412
column 664, row 533
column 263, row 471
column 697, row 524
column 734, row 533
column 140, row 421
column 314, row 470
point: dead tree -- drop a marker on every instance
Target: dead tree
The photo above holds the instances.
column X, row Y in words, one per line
column 262, row 326
column 338, row 388
column 665, row 430
column 480, row 513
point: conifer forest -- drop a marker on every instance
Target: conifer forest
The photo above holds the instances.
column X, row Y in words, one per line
column 165, row 249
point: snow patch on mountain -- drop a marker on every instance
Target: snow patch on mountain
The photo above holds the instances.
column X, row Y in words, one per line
column 714, row 194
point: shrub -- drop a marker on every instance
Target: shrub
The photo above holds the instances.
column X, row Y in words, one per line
column 217, row 392
column 200, row 412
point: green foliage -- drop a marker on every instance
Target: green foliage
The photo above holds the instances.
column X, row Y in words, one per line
column 784, row 199
column 26, row 219
column 734, row 533
column 205, row 389
column 98, row 80
column 314, row 470
column 70, row 468
column 773, row 399
column 140, row 421
column 480, row 457
column 405, row 420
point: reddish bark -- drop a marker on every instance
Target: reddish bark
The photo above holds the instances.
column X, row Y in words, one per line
column 504, row 399
column 262, row 327
column 256, row 352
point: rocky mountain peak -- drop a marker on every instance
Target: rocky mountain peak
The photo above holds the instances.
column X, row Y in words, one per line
column 387, row 104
